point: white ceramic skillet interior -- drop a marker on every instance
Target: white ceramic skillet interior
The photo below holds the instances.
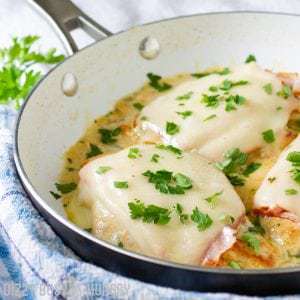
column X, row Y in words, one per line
column 50, row 122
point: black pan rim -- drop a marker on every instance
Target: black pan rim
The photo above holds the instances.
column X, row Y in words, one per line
column 64, row 222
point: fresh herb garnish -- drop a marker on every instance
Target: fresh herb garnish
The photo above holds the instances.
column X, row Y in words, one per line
column 172, row 128
column 121, row 184
column 225, row 71
column 214, row 199
column 167, row 183
column 134, row 153
column 290, row 192
column 234, row 265
column 251, row 168
column 209, row 117
column 202, row 220
column 271, row 179
column 268, row 88
column 149, row 214
column 184, row 114
column 170, row 148
column 227, row 219
column 109, row 136
column 257, row 227
column 155, row 157
column 213, row 88
column 66, row 188
column 94, row 151
column 182, row 217
column 285, row 92
column 210, row 101
column 120, row 244
column 268, row 136
column 138, row 106
column 103, row 169
column 250, row 58
column 17, row 74
column 294, row 124
column 156, row 83
column 55, row 195
column 251, row 240
column 88, row 230
column 232, row 101
column 185, row 97
column 228, row 84
column 294, row 158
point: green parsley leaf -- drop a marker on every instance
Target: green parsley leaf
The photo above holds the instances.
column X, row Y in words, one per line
column 225, row 71
column 210, row 101
column 155, row 82
column 257, row 227
column 170, row 148
column 121, row 184
column 138, row 106
column 227, row 84
column 271, row 179
column 120, row 244
column 172, row 128
column 103, row 169
column 214, row 199
column 250, row 58
column 185, row 97
column 232, row 101
column 251, row 240
column 155, row 157
column 268, row 136
column 290, row 192
column 227, row 219
column 94, row 151
column 294, row 158
column 234, row 265
column 202, row 220
column 134, row 153
column 213, row 88
column 66, row 188
column 285, row 92
column 55, row 195
column 184, row 114
column 279, row 108
column 268, row 88
column 109, row 136
column 209, row 117
column 182, row 217
column 251, row 168
column 149, row 214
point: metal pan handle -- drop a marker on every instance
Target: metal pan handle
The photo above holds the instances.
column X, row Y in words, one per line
column 64, row 16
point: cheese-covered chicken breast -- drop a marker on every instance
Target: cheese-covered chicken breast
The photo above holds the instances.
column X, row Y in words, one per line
column 219, row 111
column 279, row 194
column 162, row 202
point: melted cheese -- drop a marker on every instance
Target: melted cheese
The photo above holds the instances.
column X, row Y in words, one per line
column 171, row 241
column 241, row 128
column 272, row 192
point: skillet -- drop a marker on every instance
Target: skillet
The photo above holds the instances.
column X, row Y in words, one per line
column 52, row 119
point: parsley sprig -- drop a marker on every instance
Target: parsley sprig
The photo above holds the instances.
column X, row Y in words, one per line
column 156, row 82
column 294, row 158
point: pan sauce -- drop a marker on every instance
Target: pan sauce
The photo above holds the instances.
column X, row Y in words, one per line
column 280, row 244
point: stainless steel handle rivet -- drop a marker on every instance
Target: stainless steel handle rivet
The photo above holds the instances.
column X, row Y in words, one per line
column 149, row 47
column 69, row 84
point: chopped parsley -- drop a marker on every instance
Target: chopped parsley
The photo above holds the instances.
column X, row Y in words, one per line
column 228, row 84
column 66, row 188
column 134, row 153
column 294, row 158
column 213, row 88
column 271, row 179
column 182, row 217
column 285, row 92
column 109, row 136
column 120, row 244
column 149, row 214
column 268, row 136
column 88, row 230
column 121, row 184
column 172, row 128
column 290, row 192
column 214, row 199
column 225, row 71
column 210, row 101
column 278, row 108
column 138, row 106
column 209, row 117
column 202, row 220
column 232, row 101
column 155, row 157
column 156, row 83
column 184, row 114
column 234, row 265
column 268, row 88
column 94, row 151
column 227, row 219
column 250, row 58
column 170, row 148
column 103, row 169
column 167, row 183
column 251, row 241
column 257, row 227
column 55, row 195
column 251, row 168
column 185, row 97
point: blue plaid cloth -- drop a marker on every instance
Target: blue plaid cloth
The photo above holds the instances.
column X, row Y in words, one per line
column 35, row 264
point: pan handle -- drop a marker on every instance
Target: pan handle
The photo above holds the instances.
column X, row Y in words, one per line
column 64, row 16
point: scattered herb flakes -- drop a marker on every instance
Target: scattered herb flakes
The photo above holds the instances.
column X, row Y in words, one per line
column 66, row 188
column 213, row 88
column 109, row 136
column 202, row 220
column 139, row 106
column 210, row 117
column 294, row 158
column 144, row 118
column 214, row 199
column 228, row 84
column 149, row 214
column 94, row 151
column 234, row 265
column 185, row 97
column 257, row 227
column 285, row 92
column 278, row 108
column 290, row 192
column 155, row 157
column 250, row 58
column 70, row 169
column 55, row 195
column 156, row 83
column 268, row 88
column 251, row 241
column 251, row 168
column 225, row 71
column 232, row 101
column 170, row 148
column 271, row 179
column 103, row 169
column 88, row 229
column 120, row 244
column 294, row 124
column 172, row 128
column 184, row 114
column 167, row 183
column 70, row 160
column 121, row 184
column 134, row 153
column 268, row 136
column 210, row 101
column 227, row 219
column 179, row 211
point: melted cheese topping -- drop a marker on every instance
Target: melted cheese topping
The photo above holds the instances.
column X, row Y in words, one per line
column 274, row 191
column 173, row 240
column 213, row 130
